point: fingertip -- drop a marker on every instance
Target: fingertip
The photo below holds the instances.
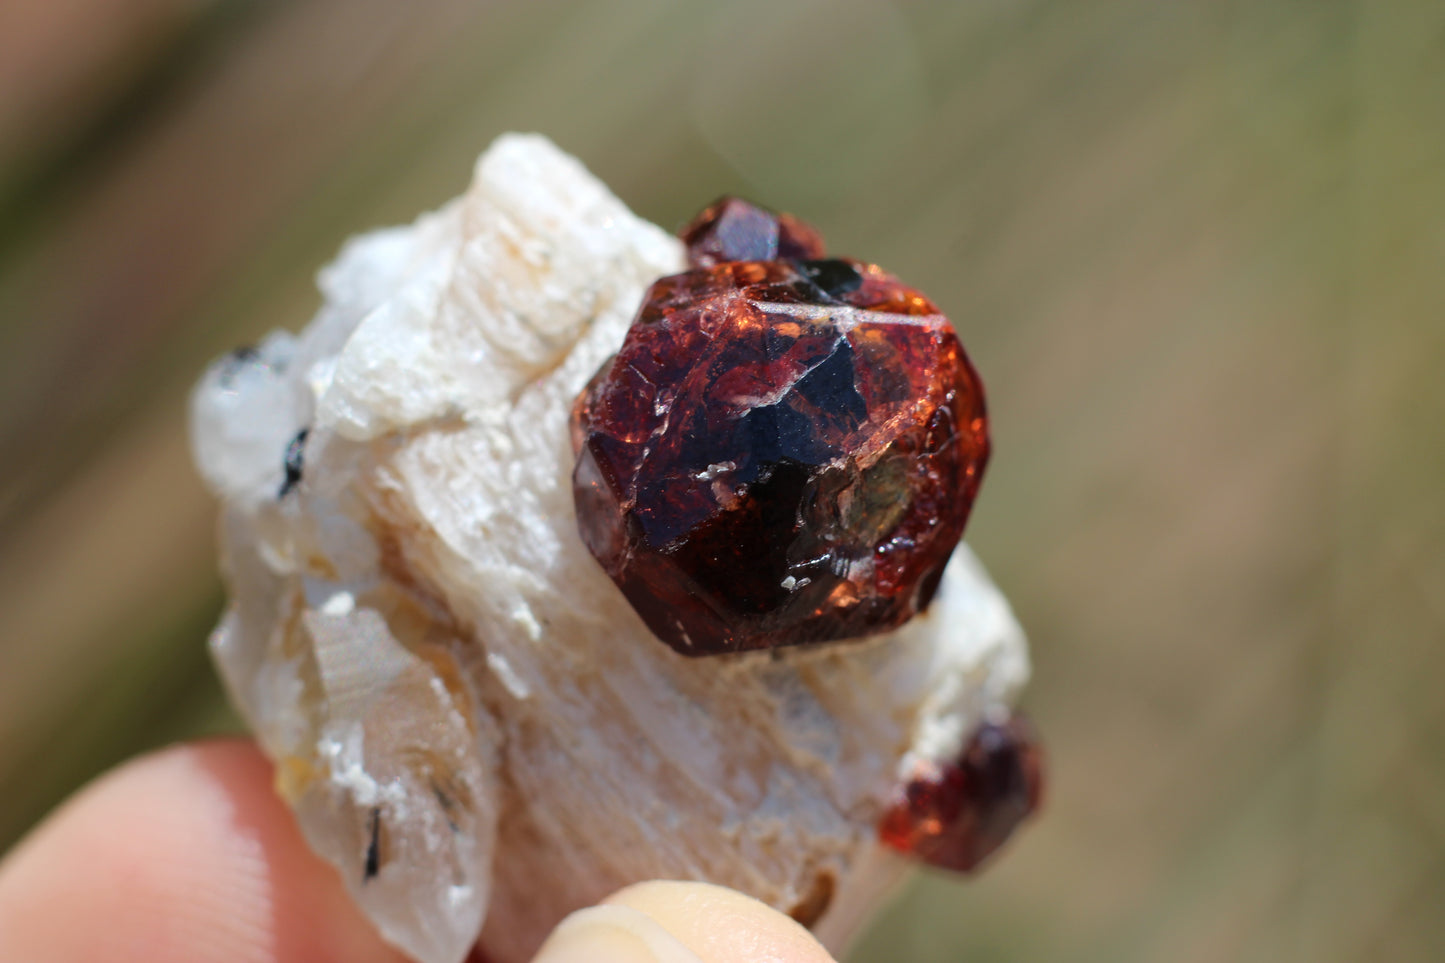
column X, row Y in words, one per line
column 722, row 925
column 613, row 934
column 680, row 922
column 185, row 854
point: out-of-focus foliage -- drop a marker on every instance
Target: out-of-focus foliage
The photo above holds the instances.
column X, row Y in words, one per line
column 1197, row 250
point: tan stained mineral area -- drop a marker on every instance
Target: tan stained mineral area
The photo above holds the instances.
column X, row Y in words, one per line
column 469, row 720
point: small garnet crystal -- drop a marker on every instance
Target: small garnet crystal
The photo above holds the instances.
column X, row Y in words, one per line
column 734, row 230
column 955, row 814
column 784, row 450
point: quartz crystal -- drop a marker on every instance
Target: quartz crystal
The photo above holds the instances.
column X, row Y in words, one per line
column 468, row 718
column 782, row 451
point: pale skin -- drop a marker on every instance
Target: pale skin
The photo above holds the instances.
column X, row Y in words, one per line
column 186, row 856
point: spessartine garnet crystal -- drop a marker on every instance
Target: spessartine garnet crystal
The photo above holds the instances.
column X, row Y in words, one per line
column 957, row 813
column 734, row 230
column 786, row 447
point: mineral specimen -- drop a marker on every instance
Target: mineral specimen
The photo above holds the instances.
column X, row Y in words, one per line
column 467, row 716
column 781, row 452
column 954, row 813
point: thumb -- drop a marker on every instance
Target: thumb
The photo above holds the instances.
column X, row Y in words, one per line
column 664, row 922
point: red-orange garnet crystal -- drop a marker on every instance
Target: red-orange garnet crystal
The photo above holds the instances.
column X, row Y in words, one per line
column 783, row 450
column 956, row 813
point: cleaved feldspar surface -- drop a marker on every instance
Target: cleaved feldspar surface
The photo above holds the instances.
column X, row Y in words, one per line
column 782, row 452
column 467, row 717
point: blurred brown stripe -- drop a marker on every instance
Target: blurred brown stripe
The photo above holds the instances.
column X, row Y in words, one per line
column 67, row 65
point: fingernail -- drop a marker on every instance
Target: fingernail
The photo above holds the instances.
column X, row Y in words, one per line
column 613, row 934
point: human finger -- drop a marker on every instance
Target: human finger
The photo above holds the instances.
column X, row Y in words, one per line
column 675, row 922
column 184, row 855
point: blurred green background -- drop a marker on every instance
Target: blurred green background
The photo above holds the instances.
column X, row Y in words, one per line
column 1197, row 250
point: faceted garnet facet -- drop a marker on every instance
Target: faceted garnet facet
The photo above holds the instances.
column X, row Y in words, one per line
column 955, row 814
column 783, row 451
